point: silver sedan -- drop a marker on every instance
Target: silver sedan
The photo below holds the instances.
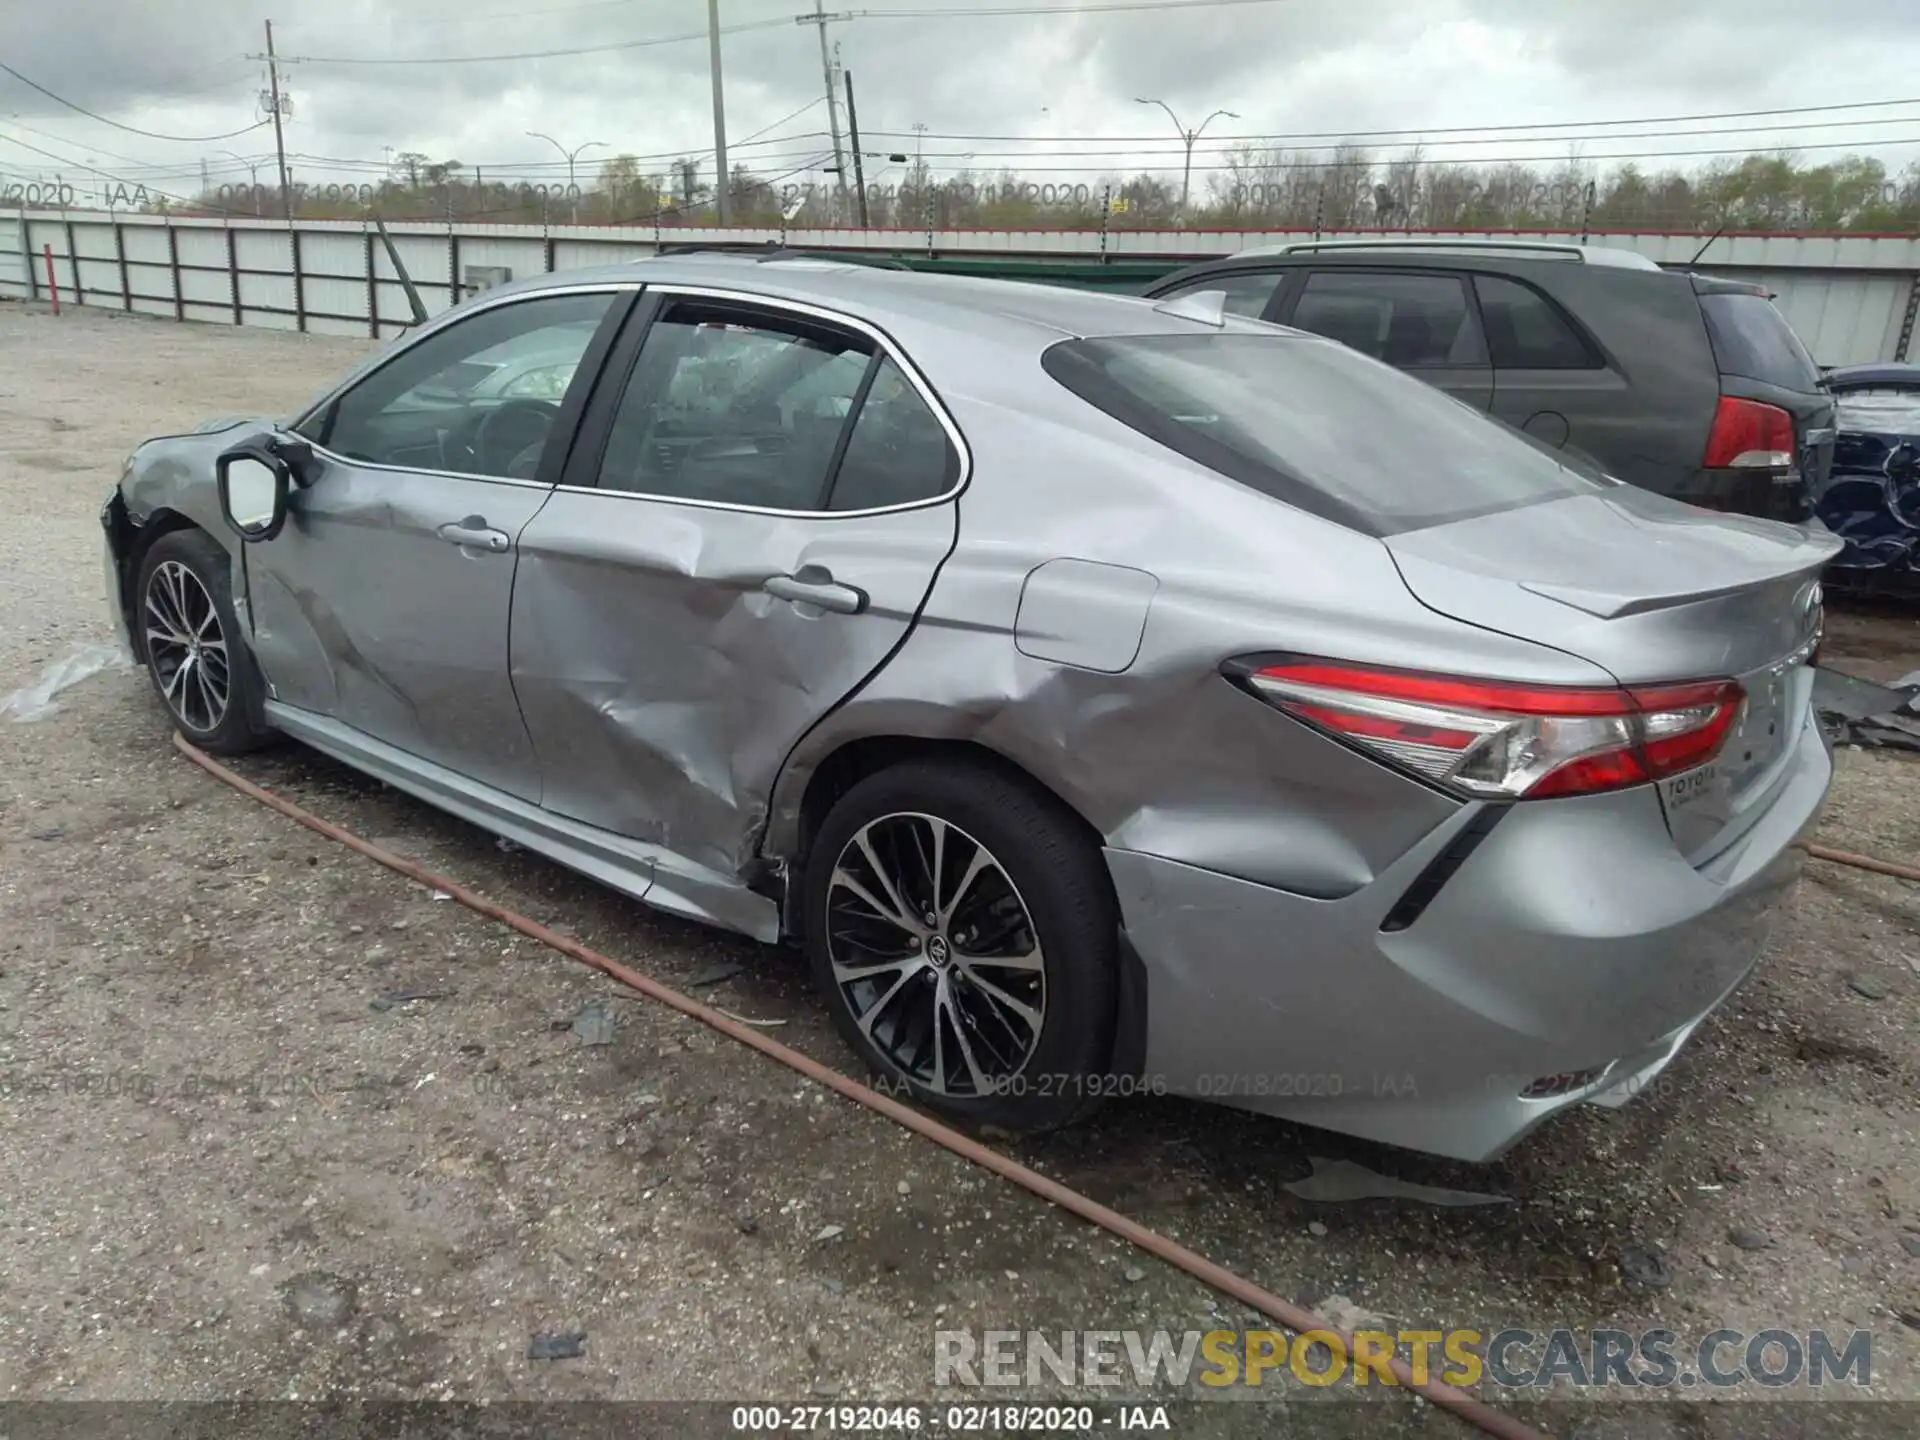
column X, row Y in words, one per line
column 1109, row 697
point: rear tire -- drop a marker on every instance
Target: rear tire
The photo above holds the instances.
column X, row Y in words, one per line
column 963, row 931
column 185, row 626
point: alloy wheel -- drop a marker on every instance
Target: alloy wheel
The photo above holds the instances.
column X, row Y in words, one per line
column 936, row 954
column 186, row 647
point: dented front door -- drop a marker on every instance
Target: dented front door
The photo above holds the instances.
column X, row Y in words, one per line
column 383, row 604
column 672, row 638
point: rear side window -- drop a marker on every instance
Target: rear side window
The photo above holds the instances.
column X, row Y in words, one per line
column 898, row 453
column 1247, row 291
column 1316, row 426
column 1526, row 331
column 1405, row 320
column 1753, row 340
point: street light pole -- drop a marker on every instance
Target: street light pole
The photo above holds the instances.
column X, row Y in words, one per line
column 1190, row 137
column 253, row 177
column 573, row 188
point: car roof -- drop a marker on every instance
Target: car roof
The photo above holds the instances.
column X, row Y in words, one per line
column 1011, row 310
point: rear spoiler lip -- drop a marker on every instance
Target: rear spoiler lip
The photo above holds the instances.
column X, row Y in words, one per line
column 1613, row 605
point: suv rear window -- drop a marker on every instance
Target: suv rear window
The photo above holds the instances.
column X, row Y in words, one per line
column 1752, row 339
column 1314, row 424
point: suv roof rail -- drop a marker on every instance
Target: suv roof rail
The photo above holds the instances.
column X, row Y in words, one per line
column 1532, row 249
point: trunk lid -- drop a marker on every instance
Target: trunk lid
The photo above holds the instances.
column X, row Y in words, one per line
column 1652, row 591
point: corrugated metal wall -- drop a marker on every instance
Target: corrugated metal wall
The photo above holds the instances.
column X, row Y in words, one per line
column 1852, row 298
column 14, row 256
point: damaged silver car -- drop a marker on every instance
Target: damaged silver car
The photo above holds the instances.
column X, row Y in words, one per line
column 1109, row 697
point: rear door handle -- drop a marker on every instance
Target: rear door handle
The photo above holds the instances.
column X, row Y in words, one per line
column 473, row 533
column 813, row 585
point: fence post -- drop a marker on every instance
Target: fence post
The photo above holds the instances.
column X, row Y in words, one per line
column 73, row 264
column 173, row 268
column 233, row 278
column 26, row 254
column 1907, row 318
column 373, row 293
column 53, row 285
column 126, row 275
column 299, row 281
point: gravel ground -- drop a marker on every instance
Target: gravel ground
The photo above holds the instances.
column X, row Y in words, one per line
column 234, row 1164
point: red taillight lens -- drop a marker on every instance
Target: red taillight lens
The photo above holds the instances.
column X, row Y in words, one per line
column 1749, row 436
column 1498, row 740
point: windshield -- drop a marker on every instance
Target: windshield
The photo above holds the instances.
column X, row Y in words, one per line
column 1316, row 425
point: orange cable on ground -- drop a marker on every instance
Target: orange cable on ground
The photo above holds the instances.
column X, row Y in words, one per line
column 1295, row 1318
column 1863, row 862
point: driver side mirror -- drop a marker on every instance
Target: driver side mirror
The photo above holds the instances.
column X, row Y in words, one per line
column 254, row 482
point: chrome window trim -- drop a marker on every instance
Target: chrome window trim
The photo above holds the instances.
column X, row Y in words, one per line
column 447, row 319
column 882, row 341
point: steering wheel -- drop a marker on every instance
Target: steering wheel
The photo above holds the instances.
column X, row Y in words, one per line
column 509, row 438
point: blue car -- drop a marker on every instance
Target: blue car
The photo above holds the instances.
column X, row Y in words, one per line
column 1872, row 498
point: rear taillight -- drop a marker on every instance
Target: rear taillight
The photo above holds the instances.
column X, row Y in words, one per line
column 1496, row 740
column 1749, row 436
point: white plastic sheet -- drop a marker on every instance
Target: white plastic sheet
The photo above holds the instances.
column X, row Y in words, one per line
column 82, row 662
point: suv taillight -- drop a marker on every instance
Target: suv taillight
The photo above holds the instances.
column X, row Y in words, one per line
column 1749, row 436
column 1494, row 740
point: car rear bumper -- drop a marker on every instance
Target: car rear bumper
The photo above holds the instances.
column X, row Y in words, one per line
column 1765, row 494
column 1567, row 945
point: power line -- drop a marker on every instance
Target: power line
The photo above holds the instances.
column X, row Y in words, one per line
column 817, row 100
column 958, row 12
column 90, row 169
column 381, row 165
column 444, row 19
column 131, row 130
column 530, row 54
column 97, row 149
column 1464, row 162
column 1225, row 145
column 1442, row 129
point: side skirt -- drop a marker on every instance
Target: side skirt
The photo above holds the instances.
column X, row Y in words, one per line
column 649, row 873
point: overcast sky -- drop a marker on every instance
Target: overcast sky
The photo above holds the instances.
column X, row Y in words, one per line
column 179, row 67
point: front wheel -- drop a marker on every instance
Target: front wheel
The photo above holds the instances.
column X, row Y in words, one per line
column 963, row 931
column 191, row 641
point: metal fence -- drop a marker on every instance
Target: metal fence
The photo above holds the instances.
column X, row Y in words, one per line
column 1852, row 298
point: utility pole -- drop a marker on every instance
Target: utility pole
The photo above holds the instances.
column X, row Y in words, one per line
column 279, row 137
column 723, row 177
column 859, row 166
column 819, row 18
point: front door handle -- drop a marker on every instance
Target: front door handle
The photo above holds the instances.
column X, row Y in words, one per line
column 473, row 533
column 814, row 585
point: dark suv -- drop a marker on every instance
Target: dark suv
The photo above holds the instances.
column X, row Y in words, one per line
column 1688, row 385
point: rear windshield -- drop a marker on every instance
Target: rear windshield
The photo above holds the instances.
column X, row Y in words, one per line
column 1752, row 339
column 1316, row 425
